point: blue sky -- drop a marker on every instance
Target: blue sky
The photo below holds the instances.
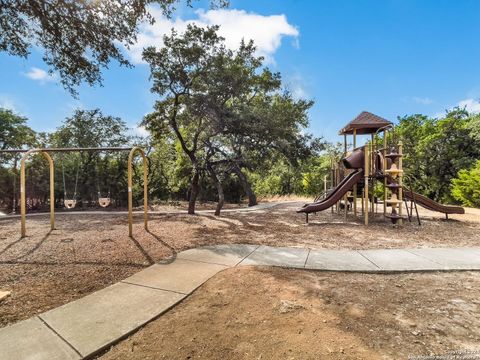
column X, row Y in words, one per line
column 390, row 57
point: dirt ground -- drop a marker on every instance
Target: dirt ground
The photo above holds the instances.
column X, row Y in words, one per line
column 89, row 252
column 272, row 313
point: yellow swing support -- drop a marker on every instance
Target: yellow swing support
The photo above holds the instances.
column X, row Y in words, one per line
column 44, row 152
column 23, row 198
column 130, row 185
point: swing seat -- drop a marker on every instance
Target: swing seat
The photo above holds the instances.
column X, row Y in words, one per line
column 104, row 202
column 70, row 204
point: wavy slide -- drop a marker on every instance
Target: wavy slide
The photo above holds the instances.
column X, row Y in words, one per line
column 429, row 204
column 337, row 193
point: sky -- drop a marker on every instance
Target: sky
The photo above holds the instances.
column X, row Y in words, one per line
column 389, row 57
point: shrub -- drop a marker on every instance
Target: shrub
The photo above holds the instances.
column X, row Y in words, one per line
column 466, row 186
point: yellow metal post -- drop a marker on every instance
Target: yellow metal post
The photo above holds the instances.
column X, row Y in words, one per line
column 372, row 171
column 345, row 198
column 23, row 197
column 130, row 190
column 354, row 186
column 384, row 173
column 400, row 182
column 332, row 175
column 367, row 171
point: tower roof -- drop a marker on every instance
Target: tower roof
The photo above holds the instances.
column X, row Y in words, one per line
column 365, row 123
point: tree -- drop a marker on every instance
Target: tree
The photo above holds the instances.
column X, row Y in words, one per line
column 14, row 134
column 225, row 110
column 178, row 71
column 91, row 128
column 78, row 37
column 437, row 149
column 265, row 129
column 97, row 172
column 466, row 186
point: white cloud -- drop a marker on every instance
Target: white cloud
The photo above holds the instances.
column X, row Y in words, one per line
column 141, row 131
column 39, row 75
column 266, row 31
column 471, row 105
column 297, row 85
column 422, row 100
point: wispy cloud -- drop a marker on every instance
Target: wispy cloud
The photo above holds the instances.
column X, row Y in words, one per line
column 40, row 75
column 471, row 105
column 267, row 32
column 296, row 83
column 422, row 100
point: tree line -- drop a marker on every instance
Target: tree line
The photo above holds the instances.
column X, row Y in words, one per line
column 223, row 127
column 442, row 155
column 441, row 161
column 221, row 119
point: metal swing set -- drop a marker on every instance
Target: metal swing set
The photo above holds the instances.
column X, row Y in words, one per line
column 70, row 203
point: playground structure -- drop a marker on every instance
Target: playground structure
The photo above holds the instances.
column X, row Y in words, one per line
column 361, row 169
column 70, row 203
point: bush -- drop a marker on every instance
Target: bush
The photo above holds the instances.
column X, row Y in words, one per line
column 466, row 186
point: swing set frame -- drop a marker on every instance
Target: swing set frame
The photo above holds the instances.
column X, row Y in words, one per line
column 133, row 151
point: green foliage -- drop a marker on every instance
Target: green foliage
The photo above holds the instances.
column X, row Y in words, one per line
column 224, row 109
column 99, row 173
column 14, row 133
column 435, row 150
column 466, row 186
column 78, row 38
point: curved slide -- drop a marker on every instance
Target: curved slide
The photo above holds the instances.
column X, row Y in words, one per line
column 429, row 204
column 342, row 188
column 330, row 192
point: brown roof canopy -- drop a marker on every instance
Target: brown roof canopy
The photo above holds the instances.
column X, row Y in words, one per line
column 365, row 123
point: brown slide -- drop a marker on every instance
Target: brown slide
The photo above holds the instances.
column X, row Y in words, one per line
column 342, row 188
column 429, row 204
column 332, row 191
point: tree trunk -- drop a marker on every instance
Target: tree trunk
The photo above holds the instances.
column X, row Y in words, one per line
column 219, row 186
column 194, row 184
column 252, row 198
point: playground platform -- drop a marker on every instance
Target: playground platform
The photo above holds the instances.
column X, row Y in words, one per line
column 87, row 326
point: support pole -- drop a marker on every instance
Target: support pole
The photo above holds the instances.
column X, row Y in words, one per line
column 337, row 179
column 367, row 170
column 130, row 191
column 345, row 197
column 372, row 171
column 23, row 197
column 354, row 186
column 400, row 181
column 332, row 175
column 384, row 173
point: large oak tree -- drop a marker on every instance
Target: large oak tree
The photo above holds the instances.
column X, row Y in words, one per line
column 77, row 37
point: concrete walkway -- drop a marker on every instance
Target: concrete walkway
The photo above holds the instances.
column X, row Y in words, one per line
column 84, row 327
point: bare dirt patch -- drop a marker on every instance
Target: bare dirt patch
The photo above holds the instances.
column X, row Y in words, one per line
column 272, row 313
column 89, row 252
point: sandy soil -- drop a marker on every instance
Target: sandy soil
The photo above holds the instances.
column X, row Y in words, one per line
column 268, row 313
column 89, row 252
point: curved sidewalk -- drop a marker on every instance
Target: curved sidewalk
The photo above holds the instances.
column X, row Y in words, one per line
column 85, row 327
